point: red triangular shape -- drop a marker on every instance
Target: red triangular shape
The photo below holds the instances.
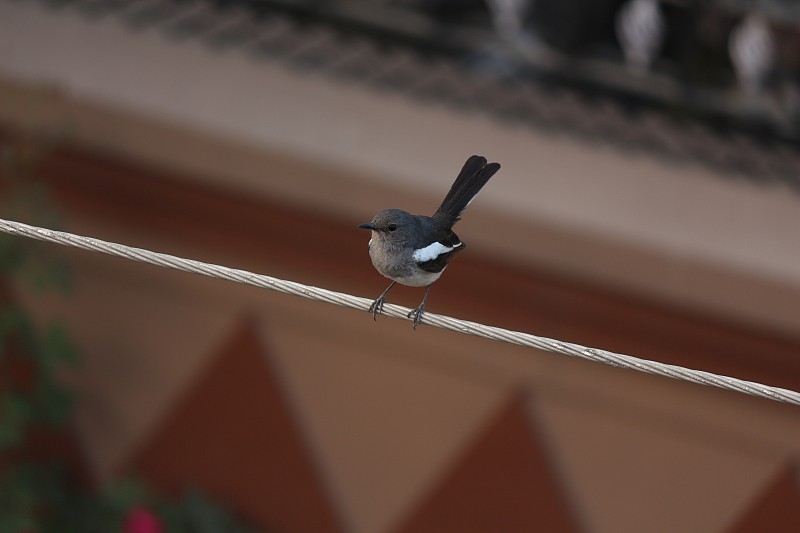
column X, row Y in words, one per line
column 776, row 509
column 504, row 482
column 233, row 435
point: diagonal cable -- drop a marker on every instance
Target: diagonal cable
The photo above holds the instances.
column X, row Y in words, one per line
column 440, row 321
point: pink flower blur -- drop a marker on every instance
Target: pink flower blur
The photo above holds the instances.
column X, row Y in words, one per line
column 142, row 520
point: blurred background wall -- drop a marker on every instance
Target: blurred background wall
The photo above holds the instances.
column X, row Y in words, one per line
column 647, row 204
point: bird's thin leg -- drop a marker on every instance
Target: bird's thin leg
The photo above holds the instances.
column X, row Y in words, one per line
column 377, row 306
column 417, row 313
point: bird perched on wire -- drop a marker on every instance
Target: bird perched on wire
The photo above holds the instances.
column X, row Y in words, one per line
column 414, row 250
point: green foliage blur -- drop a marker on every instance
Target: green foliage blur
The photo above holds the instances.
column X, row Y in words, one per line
column 43, row 495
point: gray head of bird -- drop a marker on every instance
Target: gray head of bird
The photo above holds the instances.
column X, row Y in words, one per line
column 392, row 224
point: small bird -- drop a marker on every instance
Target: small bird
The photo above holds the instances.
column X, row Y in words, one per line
column 414, row 250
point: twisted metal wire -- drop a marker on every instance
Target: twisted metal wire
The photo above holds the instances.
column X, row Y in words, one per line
column 396, row 311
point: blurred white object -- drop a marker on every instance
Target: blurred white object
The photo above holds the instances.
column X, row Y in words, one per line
column 508, row 15
column 752, row 51
column 640, row 29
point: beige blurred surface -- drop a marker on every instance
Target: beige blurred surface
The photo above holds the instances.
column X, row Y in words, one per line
column 386, row 412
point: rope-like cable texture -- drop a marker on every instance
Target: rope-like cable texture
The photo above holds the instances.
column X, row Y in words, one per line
column 441, row 321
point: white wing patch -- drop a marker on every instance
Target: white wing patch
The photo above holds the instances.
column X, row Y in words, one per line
column 432, row 251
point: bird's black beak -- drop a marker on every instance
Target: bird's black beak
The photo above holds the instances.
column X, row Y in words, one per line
column 368, row 225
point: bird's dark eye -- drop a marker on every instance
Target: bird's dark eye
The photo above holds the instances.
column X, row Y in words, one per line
column 391, row 227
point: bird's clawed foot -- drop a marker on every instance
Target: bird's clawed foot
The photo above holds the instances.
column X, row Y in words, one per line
column 416, row 314
column 377, row 306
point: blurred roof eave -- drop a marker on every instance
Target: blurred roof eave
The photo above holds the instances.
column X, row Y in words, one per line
column 405, row 48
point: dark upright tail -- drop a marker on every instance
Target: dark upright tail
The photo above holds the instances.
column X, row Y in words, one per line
column 468, row 184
